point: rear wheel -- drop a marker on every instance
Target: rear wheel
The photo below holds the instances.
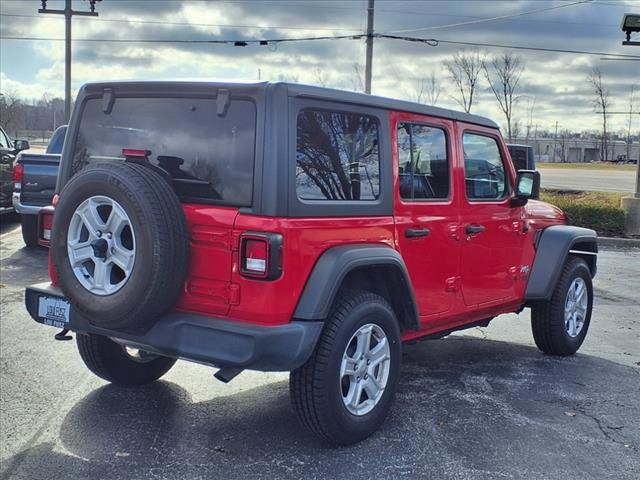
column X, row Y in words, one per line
column 345, row 390
column 560, row 325
column 117, row 363
column 29, row 230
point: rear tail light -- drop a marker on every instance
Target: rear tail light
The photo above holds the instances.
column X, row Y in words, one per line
column 18, row 173
column 45, row 222
column 261, row 255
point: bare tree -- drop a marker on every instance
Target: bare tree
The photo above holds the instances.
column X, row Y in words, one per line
column 322, row 78
column 630, row 121
column 530, row 110
column 357, row 80
column 464, row 71
column 11, row 113
column 601, row 103
column 503, row 74
column 428, row 90
column 516, row 128
column 563, row 138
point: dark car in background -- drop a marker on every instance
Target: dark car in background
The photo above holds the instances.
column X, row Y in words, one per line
column 522, row 156
column 8, row 152
column 34, row 180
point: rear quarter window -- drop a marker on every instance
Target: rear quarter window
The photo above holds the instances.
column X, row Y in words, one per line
column 337, row 156
column 210, row 157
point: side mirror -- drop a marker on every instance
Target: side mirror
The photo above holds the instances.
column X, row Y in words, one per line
column 527, row 186
column 19, row 145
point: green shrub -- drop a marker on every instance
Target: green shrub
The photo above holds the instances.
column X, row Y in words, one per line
column 597, row 210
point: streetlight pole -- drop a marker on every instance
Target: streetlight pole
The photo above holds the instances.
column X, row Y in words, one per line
column 68, row 12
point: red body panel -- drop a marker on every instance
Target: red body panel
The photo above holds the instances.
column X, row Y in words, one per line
column 457, row 279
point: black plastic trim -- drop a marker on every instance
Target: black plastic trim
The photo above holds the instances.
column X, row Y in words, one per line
column 553, row 248
column 204, row 339
column 333, row 266
column 274, row 261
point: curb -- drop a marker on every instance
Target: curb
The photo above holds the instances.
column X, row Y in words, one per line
column 619, row 242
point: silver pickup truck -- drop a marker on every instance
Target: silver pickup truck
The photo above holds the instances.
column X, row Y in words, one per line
column 35, row 177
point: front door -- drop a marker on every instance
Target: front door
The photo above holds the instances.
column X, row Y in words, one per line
column 426, row 210
column 491, row 229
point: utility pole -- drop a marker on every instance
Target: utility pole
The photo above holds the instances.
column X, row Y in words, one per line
column 68, row 12
column 631, row 205
column 369, row 60
column 555, row 138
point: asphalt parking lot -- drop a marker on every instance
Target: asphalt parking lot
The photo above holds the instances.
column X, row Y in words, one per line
column 484, row 403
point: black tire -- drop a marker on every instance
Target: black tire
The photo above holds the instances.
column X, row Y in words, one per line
column 548, row 320
column 29, row 230
column 161, row 242
column 110, row 361
column 315, row 387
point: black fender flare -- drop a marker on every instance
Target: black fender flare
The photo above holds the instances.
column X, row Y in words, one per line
column 335, row 264
column 554, row 245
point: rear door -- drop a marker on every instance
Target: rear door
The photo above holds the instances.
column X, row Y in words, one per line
column 491, row 228
column 205, row 147
column 426, row 209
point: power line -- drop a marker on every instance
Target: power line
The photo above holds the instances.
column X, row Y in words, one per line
column 491, row 19
column 432, row 42
column 237, row 43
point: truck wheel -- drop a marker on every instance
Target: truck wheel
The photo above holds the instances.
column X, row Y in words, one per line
column 120, row 245
column 344, row 391
column 29, row 230
column 118, row 364
column 560, row 325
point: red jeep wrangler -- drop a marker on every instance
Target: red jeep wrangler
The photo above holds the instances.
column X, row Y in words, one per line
column 281, row 227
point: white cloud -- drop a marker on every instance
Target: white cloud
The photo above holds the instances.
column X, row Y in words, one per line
column 555, row 81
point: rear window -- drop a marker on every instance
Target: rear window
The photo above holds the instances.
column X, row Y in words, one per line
column 209, row 157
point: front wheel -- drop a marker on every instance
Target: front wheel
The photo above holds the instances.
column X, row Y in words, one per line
column 119, row 364
column 345, row 390
column 560, row 325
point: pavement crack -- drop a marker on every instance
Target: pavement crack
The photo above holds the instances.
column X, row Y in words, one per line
column 606, row 430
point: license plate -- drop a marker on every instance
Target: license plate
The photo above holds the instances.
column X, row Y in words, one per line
column 54, row 311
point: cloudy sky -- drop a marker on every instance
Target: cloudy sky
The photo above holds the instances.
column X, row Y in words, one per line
column 553, row 86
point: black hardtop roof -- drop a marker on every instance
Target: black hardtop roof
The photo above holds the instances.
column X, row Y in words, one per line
column 309, row 91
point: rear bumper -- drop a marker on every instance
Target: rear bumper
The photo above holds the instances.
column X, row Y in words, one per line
column 24, row 209
column 203, row 339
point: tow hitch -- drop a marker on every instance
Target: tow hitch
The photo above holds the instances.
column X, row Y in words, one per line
column 226, row 374
column 62, row 335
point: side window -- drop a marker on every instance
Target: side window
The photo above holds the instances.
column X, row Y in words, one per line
column 423, row 162
column 484, row 172
column 337, row 156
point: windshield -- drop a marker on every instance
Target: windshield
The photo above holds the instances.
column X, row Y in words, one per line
column 208, row 156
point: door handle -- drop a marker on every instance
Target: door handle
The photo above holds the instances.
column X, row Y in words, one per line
column 473, row 229
column 416, row 232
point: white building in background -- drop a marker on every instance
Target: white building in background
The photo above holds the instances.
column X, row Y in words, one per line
column 577, row 149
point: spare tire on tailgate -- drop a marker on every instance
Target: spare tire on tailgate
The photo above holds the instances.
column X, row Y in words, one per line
column 120, row 244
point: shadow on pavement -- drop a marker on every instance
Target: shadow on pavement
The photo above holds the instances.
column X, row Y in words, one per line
column 24, row 266
column 8, row 222
column 466, row 407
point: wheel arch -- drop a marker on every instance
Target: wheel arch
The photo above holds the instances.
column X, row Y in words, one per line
column 553, row 247
column 375, row 268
